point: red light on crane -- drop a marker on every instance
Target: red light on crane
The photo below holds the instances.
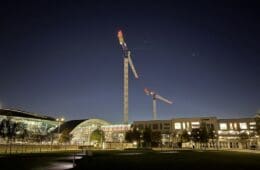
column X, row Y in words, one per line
column 120, row 37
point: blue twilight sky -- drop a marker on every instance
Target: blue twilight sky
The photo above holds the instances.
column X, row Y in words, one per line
column 62, row 58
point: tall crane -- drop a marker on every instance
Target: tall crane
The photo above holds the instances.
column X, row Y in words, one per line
column 127, row 61
column 155, row 96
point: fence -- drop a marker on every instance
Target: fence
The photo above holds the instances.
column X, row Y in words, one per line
column 34, row 148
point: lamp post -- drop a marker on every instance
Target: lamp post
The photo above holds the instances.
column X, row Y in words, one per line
column 59, row 120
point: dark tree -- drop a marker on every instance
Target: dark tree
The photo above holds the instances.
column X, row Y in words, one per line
column 147, row 137
column 156, row 138
column 243, row 137
column 195, row 135
column 185, row 137
column 133, row 135
column 66, row 137
column 257, row 119
column 97, row 136
column 204, row 135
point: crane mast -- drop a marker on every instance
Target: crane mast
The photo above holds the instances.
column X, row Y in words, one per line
column 127, row 61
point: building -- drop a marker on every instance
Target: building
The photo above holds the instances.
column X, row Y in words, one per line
column 33, row 123
column 81, row 131
column 227, row 131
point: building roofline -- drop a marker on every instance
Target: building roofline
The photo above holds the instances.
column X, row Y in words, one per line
column 30, row 114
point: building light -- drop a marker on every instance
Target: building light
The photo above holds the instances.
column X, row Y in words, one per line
column 252, row 123
column 195, row 123
column 243, row 125
column 183, row 125
column 223, row 126
column 235, row 126
column 188, row 125
column 230, row 126
column 177, row 125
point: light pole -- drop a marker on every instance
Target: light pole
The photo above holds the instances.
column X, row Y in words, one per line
column 59, row 120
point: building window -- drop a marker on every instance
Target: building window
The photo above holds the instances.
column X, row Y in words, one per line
column 155, row 126
column 223, row 126
column 188, row 125
column 177, row 125
column 195, row 125
column 243, row 125
column 235, row 126
column 252, row 123
column 231, row 126
column 183, row 125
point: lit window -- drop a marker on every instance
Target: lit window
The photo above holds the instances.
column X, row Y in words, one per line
column 223, row 126
column 177, row 125
column 231, row 126
column 183, row 125
column 188, row 125
column 252, row 127
column 252, row 123
column 195, row 123
column 235, row 125
column 243, row 125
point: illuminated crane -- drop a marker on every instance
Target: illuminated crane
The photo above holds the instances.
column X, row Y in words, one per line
column 127, row 61
column 155, row 97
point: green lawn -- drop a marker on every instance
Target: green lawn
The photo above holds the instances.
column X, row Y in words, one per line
column 182, row 160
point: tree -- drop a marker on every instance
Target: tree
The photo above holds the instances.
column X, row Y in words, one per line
column 257, row 119
column 185, row 137
column 147, row 137
column 204, row 135
column 10, row 129
column 65, row 136
column 156, row 138
column 97, row 136
column 195, row 135
column 243, row 138
column 133, row 135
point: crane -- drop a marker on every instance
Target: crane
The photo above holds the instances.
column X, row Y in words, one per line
column 155, row 96
column 127, row 61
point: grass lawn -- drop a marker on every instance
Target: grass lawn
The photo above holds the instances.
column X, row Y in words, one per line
column 33, row 161
column 181, row 160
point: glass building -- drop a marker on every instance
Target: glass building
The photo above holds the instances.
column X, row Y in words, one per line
column 32, row 122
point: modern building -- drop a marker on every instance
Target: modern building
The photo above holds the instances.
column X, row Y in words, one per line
column 227, row 131
column 81, row 130
column 34, row 123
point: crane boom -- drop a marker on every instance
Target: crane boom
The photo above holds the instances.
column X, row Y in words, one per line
column 163, row 99
column 155, row 97
column 132, row 65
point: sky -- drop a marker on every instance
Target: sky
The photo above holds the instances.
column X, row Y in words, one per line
column 63, row 58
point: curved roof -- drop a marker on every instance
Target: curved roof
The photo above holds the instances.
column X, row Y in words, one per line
column 19, row 113
column 90, row 123
column 69, row 125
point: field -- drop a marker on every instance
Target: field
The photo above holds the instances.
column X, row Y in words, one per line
column 134, row 160
column 171, row 160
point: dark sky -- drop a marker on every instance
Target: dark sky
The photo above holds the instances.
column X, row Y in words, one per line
column 62, row 58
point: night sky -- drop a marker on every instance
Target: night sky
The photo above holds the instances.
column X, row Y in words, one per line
column 63, row 58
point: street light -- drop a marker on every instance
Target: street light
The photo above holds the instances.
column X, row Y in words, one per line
column 59, row 120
